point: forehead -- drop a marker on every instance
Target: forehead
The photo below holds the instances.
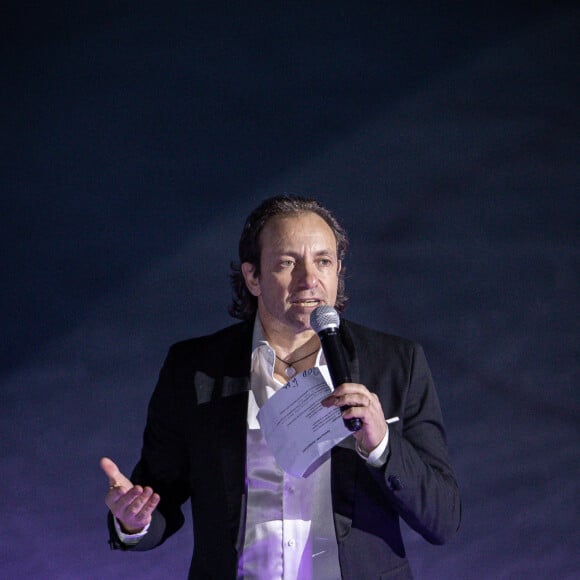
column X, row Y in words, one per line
column 282, row 232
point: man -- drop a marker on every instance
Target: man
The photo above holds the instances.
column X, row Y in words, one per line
column 203, row 442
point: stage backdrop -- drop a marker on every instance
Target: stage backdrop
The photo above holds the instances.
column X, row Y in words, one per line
column 137, row 136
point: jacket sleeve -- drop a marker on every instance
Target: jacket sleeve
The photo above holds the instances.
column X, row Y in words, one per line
column 163, row 464
column 418, row 477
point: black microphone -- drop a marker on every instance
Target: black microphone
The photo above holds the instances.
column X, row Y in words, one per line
column 325, row 321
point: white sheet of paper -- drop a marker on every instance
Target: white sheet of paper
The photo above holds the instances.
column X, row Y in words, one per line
column 297, row 428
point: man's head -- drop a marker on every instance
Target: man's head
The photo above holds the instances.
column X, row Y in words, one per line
column 245, row 303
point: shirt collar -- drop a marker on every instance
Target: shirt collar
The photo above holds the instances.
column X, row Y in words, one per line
column 259, row 340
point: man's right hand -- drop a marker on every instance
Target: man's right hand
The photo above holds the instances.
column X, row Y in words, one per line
column 132, row 505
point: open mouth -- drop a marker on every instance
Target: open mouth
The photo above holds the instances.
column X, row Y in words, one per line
column 307, row 302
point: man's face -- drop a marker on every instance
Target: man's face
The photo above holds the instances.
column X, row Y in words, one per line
column 298, row 271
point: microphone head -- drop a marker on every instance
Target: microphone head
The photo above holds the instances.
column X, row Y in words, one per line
column 323, row 318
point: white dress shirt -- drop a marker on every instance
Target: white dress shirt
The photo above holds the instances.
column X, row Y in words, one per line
column 289, row 527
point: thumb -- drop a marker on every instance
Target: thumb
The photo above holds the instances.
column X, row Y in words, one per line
column 111, row 470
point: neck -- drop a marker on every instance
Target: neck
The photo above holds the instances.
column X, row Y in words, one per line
column 291, row 345
column 295, row 358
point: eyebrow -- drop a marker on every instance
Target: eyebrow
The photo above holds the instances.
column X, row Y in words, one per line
column 324, row 252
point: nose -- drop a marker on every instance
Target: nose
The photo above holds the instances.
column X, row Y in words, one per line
column 306, row 275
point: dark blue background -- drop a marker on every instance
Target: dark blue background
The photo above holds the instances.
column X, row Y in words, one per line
column 136, row 137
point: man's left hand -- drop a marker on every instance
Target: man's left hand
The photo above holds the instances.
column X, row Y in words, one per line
column 366, row 406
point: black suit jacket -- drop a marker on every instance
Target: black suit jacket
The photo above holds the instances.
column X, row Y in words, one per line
column 194, row 448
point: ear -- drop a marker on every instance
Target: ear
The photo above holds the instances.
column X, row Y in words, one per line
column 339, row 267
column 252, row 281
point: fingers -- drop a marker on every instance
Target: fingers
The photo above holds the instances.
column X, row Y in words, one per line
column 356, row 401
column 110, row 468
column 116, row 478
column 352, row 395
column 133, row 508
column 132, row 505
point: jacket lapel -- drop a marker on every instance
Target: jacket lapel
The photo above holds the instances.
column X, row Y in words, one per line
column 230, row 399
column 344, row 460
column 232, row 417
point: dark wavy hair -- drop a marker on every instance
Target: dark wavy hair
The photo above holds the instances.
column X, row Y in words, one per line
column 244, row 304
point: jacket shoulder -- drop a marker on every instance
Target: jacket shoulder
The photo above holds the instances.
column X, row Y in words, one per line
column 225, row 352
column 220, row 339
column 371, row 338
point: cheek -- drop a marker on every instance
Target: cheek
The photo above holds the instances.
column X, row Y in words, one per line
column 334, row 284
column 276, row 291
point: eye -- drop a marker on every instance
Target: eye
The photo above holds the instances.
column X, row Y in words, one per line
column 286, row 263
column 325, row 262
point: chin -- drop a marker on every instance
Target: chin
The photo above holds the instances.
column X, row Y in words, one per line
column 302, row 324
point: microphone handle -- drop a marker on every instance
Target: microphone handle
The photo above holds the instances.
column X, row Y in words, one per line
column 337, row 368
